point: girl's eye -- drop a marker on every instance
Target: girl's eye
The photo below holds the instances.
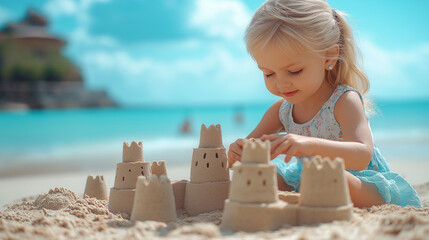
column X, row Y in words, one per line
column 268, row 75
column 296, row 73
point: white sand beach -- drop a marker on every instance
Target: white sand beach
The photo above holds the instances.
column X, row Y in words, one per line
column 51, row 207
column 61, row 214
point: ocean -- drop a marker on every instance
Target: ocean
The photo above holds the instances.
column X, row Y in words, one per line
column 93, row 138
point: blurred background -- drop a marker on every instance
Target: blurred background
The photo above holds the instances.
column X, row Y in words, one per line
column 80, row 77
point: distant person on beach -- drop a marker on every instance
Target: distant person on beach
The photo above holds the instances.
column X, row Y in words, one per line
column 307, row 54
column 186, row 126
column 238, row 117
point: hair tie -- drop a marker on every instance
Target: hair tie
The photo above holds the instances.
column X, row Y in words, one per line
column 340, row 27
column 334, row 14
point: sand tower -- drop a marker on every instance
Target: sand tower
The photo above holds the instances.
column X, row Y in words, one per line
column 96, row 188
column 132, row 166
column 324, row 192
column 159, row 168
column 154, row 200
column 209, row 181
column 253, row 204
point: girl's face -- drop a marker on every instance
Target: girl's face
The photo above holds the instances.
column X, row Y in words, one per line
column 295, row 75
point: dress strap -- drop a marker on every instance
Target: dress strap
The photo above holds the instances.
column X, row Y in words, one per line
column 284, row 114
column 339, row 91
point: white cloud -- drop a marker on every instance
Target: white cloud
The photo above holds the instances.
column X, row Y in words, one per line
column 184, row 80
column 82, row 38
column 195, row 70
column 4, row 15
column 221, row 18
column 80, row 10
column 61, row 7
column 71, row 8
column 398, row 73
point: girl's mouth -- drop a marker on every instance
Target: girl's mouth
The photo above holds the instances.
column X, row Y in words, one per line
column 290, row 94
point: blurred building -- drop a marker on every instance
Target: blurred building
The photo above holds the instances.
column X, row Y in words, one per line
column 33, row 72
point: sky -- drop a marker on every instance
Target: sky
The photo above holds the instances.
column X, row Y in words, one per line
column 191, row 52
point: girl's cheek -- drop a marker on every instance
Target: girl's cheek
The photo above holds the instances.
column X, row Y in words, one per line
column 271, row 87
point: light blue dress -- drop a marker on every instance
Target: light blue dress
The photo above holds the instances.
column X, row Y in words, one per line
column 393, row 187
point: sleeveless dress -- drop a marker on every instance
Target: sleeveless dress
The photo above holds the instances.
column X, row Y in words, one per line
column 393, row 187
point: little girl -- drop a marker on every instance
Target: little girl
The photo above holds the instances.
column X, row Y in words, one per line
column 306, row 52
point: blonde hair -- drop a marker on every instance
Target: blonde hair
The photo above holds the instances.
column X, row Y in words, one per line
column 314, row 25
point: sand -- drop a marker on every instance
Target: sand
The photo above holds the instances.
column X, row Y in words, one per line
column 62, row 214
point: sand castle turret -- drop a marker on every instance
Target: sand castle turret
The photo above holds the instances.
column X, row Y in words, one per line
column 154, row 200
column 209, row 179
column 324, row 192
column 132, row 166
column 159, row 168
column 96, row 188
column 253, row 204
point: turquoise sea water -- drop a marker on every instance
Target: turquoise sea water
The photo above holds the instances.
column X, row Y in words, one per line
column 89, row 137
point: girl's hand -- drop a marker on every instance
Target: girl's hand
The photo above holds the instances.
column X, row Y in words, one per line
column 234, row 152
column 289, row 144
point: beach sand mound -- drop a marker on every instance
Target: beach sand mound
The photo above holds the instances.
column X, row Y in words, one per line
column 61, row 214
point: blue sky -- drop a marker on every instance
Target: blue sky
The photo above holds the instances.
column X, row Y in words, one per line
column 184, row 52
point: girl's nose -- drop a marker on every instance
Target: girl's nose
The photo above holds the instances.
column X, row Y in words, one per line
column 283, row 82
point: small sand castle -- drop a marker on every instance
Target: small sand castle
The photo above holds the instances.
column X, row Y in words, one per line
column 132, row 166
column 324, row 192
column 159, row 168
column 154, row 200
column 209, row 179
column 96, row 188
column 253, row 204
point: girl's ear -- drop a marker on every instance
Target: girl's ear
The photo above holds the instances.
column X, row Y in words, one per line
column 331, row 56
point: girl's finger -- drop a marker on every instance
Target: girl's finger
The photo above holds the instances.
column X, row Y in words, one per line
column 270, row 137
column 234, row 155
column 276, row 143
column 236, row 148
column 232, row 158
column 290, row 153
column 282, row 148
column 240, row 142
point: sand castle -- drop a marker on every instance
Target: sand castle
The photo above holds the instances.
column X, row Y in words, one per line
column 253, row 203
column 159, row 168
column 154, row 200
column 121, row 198
column 209, row 182
column 250, row 202
column 96, row 188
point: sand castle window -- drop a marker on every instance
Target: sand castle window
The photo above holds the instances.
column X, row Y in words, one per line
column 217, row 155
column 208, row 165
column 196, row 163
column 259, row 173
column 142, row 173
column 123, row 178
column 205, row 155
column 248, row 182
column 141, row 167
column 264, row 182
column 222, row 165
column 129, row 170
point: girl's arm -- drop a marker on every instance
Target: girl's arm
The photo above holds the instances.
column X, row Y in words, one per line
column 356, row 148
column 270, row 122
